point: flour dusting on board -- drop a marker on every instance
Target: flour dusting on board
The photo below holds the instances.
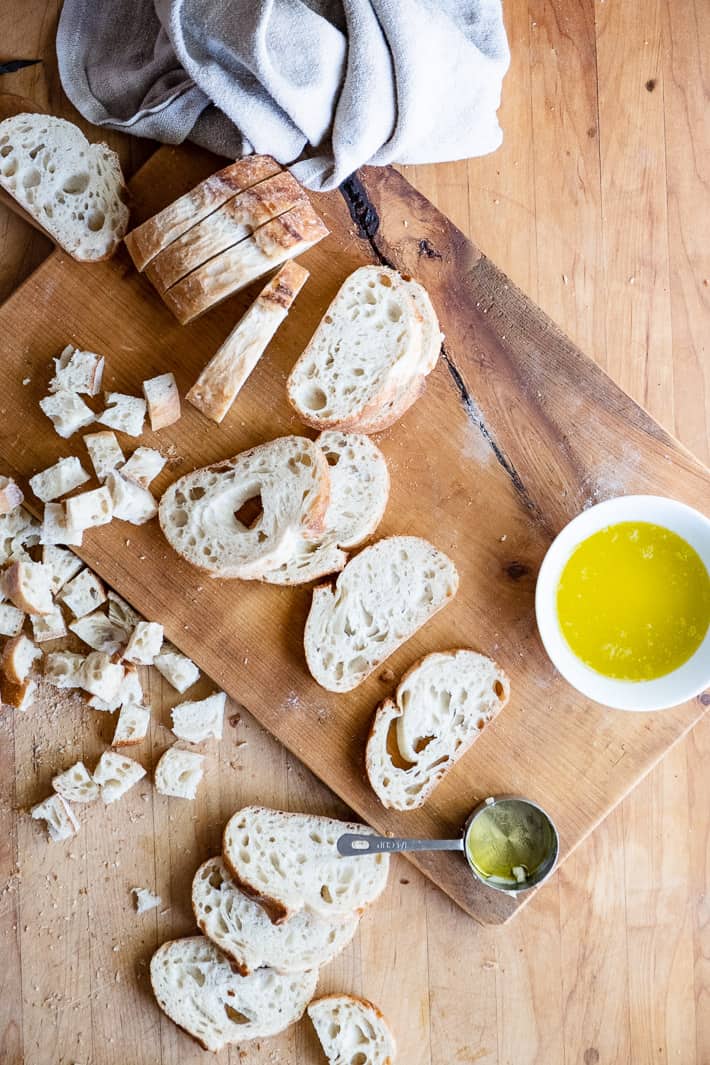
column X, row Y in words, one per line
column 612, row 477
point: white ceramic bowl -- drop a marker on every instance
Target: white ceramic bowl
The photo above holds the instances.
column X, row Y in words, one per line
column 676, row 687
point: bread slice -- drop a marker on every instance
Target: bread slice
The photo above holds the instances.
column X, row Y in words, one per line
column 366, row 350
column 58, row 816
column 73, row 189
column 115, row 774
column 18, row 658
column 289, row 862
column 28, row 585
column 359, row 490
column 224, row 375
column 163, row 399
column 77, row 371
column 143, row 466
column 75, row 784
column 199, row 512
column 276, row 242
column 382, row 597
column 153, row 236
column 83, row 593
column 178, row 773
column 242, row 930
column 198, row 721
column 179, row 671
column 10, row 495
column 132, row 725
column 351, row 1029
column 67, row 412
column 105, row 452
column 199, row 989
column 234, row 221
column 64, row 476
column 123, row 412
column 441, row 706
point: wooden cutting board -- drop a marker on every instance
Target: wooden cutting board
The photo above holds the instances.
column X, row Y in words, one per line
column 515, row 434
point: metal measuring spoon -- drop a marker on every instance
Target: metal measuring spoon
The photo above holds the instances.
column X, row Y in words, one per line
column 352, row 845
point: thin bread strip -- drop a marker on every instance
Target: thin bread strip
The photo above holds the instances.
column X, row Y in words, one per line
column 222, row 378
column 153, row 236
column 235, row 220
column 274, row 243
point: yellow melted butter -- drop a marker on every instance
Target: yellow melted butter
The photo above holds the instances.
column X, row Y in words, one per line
column 633, row 601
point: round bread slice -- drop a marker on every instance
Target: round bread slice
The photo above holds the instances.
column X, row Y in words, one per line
column 198, row 988
column 359, row 490
column 382, row 597
column 352, row 1030
column 366, row 348
column 73, row 189
column 287, row 478
column 242, row 930
column 441, row 706
column 290, row 862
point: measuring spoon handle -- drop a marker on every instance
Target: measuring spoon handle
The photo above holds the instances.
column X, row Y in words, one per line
column 352, row 846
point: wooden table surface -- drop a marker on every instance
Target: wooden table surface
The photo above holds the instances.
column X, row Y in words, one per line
column 597, row 206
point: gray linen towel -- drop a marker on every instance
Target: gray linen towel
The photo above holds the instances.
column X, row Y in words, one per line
column 331, row 84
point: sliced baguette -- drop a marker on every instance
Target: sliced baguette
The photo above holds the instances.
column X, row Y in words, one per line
column 224, row 375
column 198, row 988
column 440, row 707
column 163, row 399
column 290, row 862
column 359, row 490
column 153, row 236
column 382, row 597
column 73, row 189
column 234, row 221
column 198, row 512
column 242, row 930
column 352, row 1030
column 276, row 242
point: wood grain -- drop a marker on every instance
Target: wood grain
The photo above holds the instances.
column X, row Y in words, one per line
column 491, row 199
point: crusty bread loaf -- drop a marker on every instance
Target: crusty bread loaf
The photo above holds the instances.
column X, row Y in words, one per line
column 153, row 236
column 378, row 602
column 359, row 490
column 290, row 862
column 440, row 707
column 224, row 375
column 274, row 243
column 241, row 929
column 365, row 353
column 234, row 221
column 198, row 513
column 73, row 189
column 199, row 989
column 352, row 1030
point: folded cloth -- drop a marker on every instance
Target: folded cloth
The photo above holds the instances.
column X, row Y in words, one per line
column 327, row 85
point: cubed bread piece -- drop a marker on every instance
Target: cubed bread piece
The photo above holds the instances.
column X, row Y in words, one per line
column 50, row 626
column 10, row 495
column 121, row 613
column 77, row 371
column 163, row 399
column 131, row 691
column 105, row 452
column 145, row 900
column 11, row 619
column 18, row 531
column 18, row 696
column 67, row 412
column 132, row 725
column 115, row 774
column 75, row 784
column 64, row 669
column 143, row 466
column 58, row 816
column 29, row 586
column 125, row 413
column 197, row 721
column 83, row 594
column 18, row 657
column 89, row 509
column 99, row 632
column 56, row 529
column 57, row 480
column 145, row 643
column 178, row 773
column 179, row 670
column 62, row 565
column 100, row 676
column 131, row 502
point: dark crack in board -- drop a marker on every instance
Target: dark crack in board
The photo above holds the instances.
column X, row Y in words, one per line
column 516, row 432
